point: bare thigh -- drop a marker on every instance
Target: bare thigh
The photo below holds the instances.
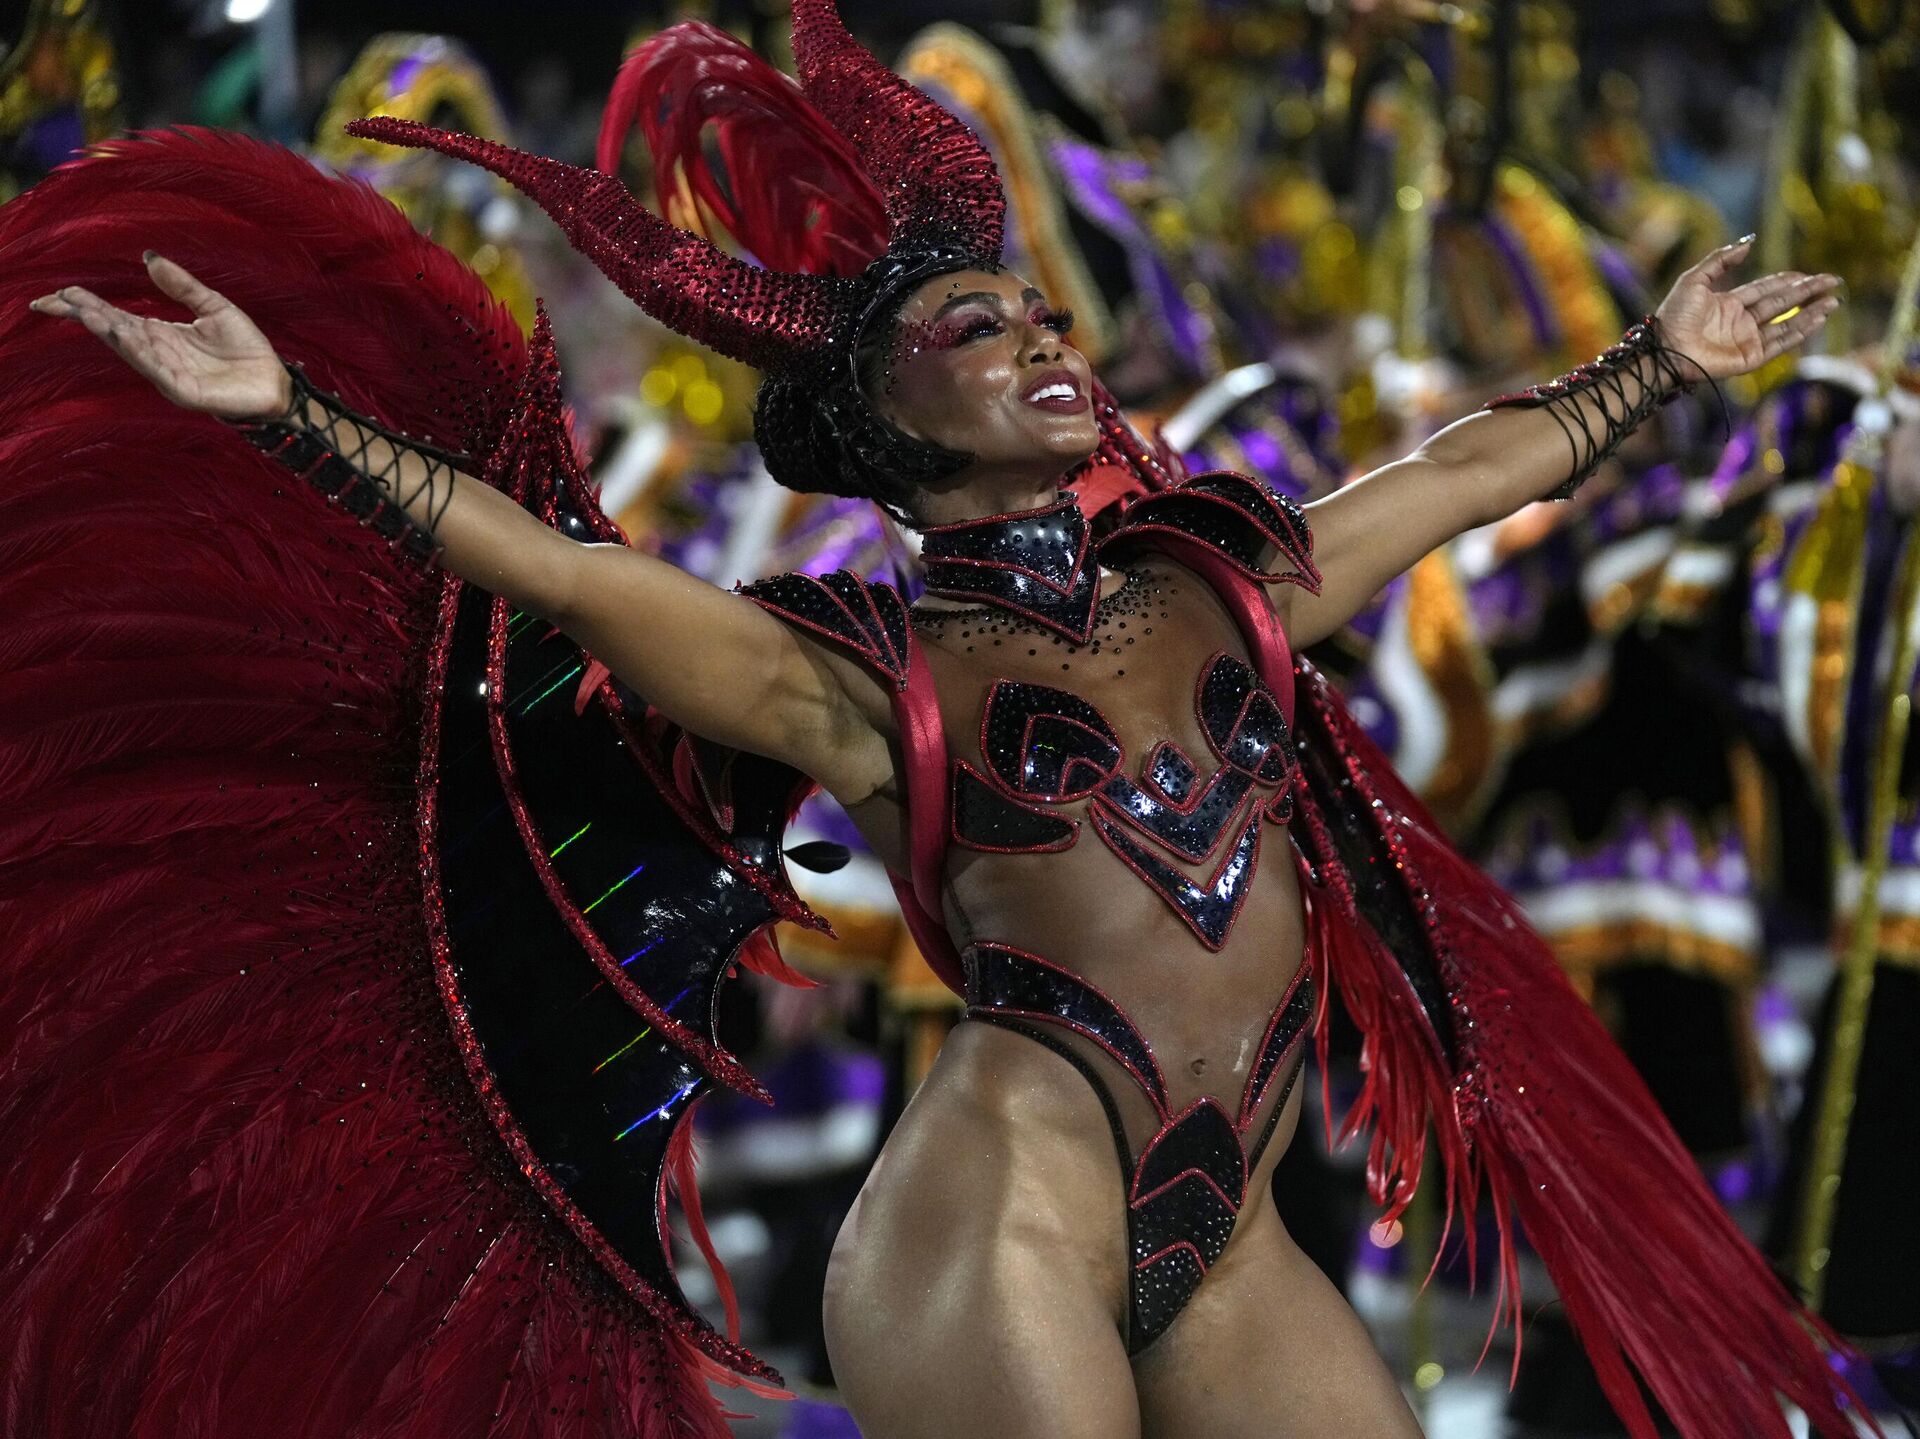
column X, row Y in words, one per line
column 977, row 1286
column 1267, row 1349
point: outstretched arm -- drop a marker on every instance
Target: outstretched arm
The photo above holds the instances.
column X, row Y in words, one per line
column 1483, row 468
column 710, row 660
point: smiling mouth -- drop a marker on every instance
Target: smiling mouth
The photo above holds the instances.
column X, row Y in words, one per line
column 1060, row 395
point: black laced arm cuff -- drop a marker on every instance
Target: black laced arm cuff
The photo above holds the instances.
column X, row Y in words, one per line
column 1608, row 379
column 333, row 449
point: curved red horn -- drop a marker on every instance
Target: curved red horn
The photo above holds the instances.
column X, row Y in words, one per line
column 766, row 318
column 936, row 178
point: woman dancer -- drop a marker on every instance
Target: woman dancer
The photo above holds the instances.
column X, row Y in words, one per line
column 1072, row 754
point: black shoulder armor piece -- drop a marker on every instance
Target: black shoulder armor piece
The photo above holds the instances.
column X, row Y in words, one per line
column 867, row 617
column 1260, row 531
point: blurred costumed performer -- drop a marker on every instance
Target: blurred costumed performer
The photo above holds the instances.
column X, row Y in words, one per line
column 358, row 985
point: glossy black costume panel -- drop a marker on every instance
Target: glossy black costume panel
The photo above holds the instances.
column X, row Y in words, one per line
column 1192, row 833
column 1034, row 564
column 591, row 1086
column 1186, row 1189
column 544, row 1018
column 1243, row 721
column 999, row 978
column 1288, row 1024
column 1208, row 909
column 867, row 617
column 1050, row 745
column 1237, row 516
column 986, row 819
column 1185, row 1198
column 1046, row 744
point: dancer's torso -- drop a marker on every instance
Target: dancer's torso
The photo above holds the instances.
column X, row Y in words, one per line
column 1086, row 734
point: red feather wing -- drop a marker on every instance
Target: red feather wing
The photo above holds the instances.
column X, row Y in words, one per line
column 250, row 1189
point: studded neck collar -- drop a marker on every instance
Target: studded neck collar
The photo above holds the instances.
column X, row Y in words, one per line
column 1037, row 563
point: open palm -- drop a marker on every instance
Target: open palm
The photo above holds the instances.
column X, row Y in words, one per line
column 219, row 363
column 1729, row 332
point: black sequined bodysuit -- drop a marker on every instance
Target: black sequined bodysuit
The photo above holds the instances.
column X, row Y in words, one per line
column 1050, row 764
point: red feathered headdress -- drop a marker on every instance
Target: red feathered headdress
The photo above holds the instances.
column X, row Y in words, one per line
column 852, row 166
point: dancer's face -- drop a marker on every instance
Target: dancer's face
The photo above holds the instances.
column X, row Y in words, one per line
column 980, row 363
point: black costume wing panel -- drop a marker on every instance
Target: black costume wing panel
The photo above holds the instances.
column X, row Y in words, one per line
column 588, row 909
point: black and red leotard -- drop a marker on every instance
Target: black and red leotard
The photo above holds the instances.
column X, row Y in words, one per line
column 1045, row 751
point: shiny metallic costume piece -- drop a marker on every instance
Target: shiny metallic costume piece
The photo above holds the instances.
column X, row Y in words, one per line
column 1033, row 563
column 1186, row 1187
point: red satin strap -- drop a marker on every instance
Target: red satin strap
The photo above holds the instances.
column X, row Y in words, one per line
column 1246, row 599
column 923, row 751
column 936, row 945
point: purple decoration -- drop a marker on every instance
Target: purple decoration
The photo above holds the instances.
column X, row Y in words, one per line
column 1093, row 179
column 811, row 1419
column 1546, row 332
column 806, row 1082
column 1735, row 1182
column 54, row 138
column 1618, row 274
column 1735, row 460
column 820, row 814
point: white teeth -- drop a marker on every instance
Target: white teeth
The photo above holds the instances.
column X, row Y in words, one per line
column 1053, row 392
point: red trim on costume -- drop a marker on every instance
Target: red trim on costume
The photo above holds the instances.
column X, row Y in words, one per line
column 1110, row 806
column 717, row 1063
column 1106, row 736
column 997, row 791
column 1047, row 1016
column 1007, row 566
column 855, row 639
column 1152, row 763
column 1249, row 1100
column 1153, row 1091
column 1298, row 549
column 1110, row 833
column 1256, row 691
column 480, row 1074
column 1079, row 635
column 1178, row 1244
column 1190, row 1172
column 1270, row 652
column 898, row 660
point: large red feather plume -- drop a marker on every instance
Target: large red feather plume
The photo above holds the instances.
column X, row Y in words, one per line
column 736, row 145
column 248, row 1189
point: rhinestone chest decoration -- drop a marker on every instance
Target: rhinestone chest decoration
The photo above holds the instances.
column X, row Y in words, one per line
column 1045, row 747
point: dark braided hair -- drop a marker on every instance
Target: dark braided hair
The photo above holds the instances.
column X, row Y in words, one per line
column 818, row 428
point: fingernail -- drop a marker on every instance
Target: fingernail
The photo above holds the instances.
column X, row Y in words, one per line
column 149, row 255
column 1746, row 239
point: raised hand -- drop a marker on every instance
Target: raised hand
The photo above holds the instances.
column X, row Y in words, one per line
column 220, row 363
column 1728, row 332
